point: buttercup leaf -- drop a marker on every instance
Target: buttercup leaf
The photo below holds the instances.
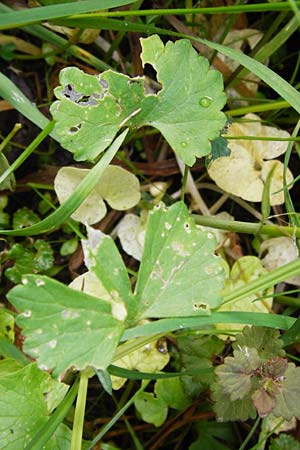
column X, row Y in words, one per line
column 91, row 109
column 24, row 407
column 179, row 273
column 64, row 328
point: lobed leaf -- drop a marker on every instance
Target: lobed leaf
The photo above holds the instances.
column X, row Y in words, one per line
column 64, row 328
column 90, row 110
column 179, row 273
column 27, row 397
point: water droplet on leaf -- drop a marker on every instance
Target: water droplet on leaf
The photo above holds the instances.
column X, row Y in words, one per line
column 205, row 102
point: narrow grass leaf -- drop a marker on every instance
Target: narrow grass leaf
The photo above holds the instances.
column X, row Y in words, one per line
column 45, row 13
column 59, row 216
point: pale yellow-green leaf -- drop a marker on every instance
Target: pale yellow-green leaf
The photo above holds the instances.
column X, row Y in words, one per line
column 120, row 188
column 89, row 283
column 117, row 186
column 244, row 172
column 278, row 252
column 236, row 39
column 244, row 270
column 131, row 232
column 152, row 357
column 92, row 209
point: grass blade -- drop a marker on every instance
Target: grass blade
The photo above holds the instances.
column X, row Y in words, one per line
column 41, row 14
column 59, row 216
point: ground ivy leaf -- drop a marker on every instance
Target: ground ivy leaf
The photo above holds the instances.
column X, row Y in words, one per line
column 265, row 340
column 197, row 353
column 90, row 110
column 179, row 273
column 152, row 410
column 231, row 410
column 24, row 404
column 103, row 259
column 287, row 400
column 284, row 442
column 235, row 375
column 64, row 328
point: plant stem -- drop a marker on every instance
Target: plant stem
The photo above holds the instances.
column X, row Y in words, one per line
column 79, row 411
column 119, row 414
column 247, row 227
column 27, row 152
column 252, row 431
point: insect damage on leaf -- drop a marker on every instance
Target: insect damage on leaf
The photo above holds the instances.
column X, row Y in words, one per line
column 90, row 110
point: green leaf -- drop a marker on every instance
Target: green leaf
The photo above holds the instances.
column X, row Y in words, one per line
column 219, row 147
column 265, row 340
column 54, row 317
column 179, row 273
column 284, row 442
column 213, row 435
column 103, row 259
column 23, row 263
column 90, row 110
column 24, row 217
column 196, row 353
column 287, row 399
column 225, row 409
column 235, row 375
column 24, row 404
column 26, row 260
column 7, row 323
column 44, row 258
column 172, row 392
column 152, row 410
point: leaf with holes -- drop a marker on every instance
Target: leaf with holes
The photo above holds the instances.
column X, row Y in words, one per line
column 64, row 328
column 179, row 273
column 187, row 110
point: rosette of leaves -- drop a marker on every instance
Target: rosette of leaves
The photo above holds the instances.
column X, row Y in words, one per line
column 257, row 379
column 118, row 187
column 90, row 110
column 245, row 170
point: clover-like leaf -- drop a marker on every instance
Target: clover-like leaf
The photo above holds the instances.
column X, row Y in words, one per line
column 64, row 328
column 252, row 160
column 91, row 109
column 117, row 186
column 179, row 273
column 24, row 404
column 172, row 392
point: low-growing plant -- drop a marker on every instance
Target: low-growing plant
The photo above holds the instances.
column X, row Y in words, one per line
column 116, row 323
